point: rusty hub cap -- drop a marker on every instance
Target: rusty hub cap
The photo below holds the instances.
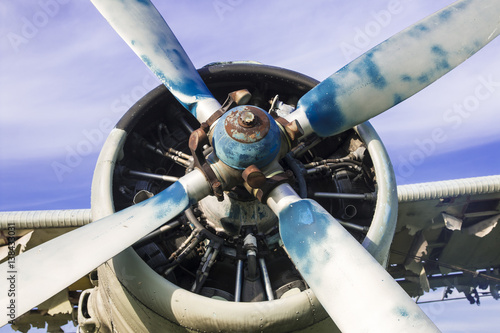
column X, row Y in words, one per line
column 247, row 124
column 246, row 135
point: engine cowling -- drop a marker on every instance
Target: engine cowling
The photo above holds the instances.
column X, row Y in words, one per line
column 237, row 277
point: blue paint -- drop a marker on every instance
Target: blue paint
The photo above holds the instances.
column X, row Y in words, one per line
column 442, row 61
column 322, row 109
column 406, row 78
column 156, row 210
column 189, row 83
column 402, row 312
column 445, row 15
column 423, row 79
column 329, row 106
column 321, row 104
column 173, row 198
column 145, row 59
column 189, row 86
column 398, row 99
column 304, row 224
column 463, row 5
column 442, row 65
column 303, row 212
column 418, row 30
column 160, row 50
column 240, row 155
column 438, row 50
column 368, row 70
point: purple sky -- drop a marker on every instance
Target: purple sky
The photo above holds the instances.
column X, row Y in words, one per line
column 66, row 78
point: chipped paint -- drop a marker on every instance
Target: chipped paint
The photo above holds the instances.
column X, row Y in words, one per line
column 381, row 232
column 241, row 146
column 398, row 68
column 153, row 41
column 332, row 261
column 91, row 244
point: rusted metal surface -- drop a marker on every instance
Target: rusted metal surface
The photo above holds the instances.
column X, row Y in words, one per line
column 247, row 124
column 241, row 97
column 246, row 135
column 292, row 129
column 254, row 177
column 196, row 142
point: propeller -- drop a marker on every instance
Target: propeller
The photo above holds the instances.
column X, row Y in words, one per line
column 52, row 266
column 334, row 264
column 143, row 28
column 339, row 270
column 398, row 68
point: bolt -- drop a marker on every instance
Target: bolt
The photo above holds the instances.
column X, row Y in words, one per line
column 247, row 119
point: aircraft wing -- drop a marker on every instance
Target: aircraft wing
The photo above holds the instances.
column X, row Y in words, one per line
column 31, row 228
column 448, row 235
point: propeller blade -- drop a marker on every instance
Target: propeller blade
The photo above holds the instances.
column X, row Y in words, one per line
column 398, row 68
column 142, row 27
column 339, row 270
column 52, row 266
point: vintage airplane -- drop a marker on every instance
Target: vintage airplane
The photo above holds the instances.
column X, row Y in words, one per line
column 227, row 240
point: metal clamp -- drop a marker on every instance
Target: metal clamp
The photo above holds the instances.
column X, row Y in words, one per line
column 263, row 185
column 292, row 129
column 199, row 138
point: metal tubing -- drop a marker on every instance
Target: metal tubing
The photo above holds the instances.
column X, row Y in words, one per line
column 349, row 196
column 302, row 149
column 183, row 246
column 177, row 159
column 169, row 270
column 205, row 271
column 186, row 125
column 267, row 281
column 165, row 178
column 297, row 169
column 239, row 273
column 180, row 154
column 157, row 232
column 158, row 151
column 354, row 226
column 203, row 266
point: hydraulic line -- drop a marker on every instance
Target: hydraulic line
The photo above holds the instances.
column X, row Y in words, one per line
column 238, row 286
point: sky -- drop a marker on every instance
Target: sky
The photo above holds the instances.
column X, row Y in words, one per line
column 66, row 78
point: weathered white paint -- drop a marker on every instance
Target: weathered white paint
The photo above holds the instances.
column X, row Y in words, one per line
column 48, row 268
column 339, row 269
column 142, row 27
column 399, row 67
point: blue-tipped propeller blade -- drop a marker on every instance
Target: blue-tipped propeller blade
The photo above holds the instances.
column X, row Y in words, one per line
column 399, row 67
column 339, row 270
column 52, row 266
column 142, row 27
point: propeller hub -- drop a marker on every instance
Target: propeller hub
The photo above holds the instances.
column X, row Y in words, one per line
column 246, row 135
